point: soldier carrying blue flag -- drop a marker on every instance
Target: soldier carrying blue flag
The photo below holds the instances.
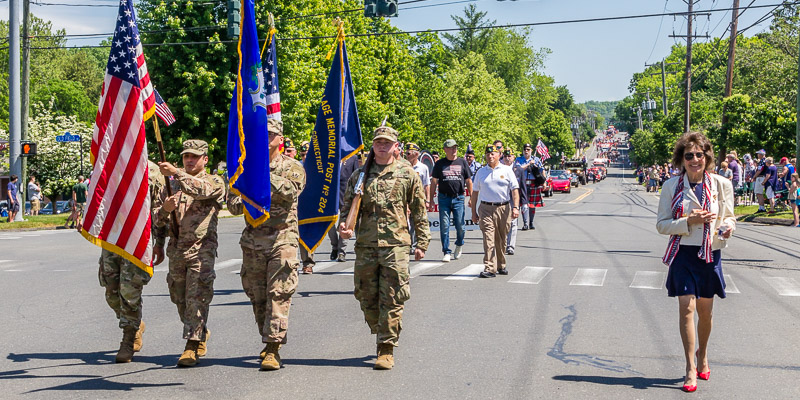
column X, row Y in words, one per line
column 269, row 240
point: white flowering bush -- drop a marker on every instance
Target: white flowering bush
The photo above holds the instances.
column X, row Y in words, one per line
column 57, row 165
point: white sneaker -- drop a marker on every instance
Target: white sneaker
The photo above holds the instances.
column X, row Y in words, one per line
column 457, row 253
column 446, row 258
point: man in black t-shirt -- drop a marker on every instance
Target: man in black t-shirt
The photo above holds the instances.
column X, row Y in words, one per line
column 451, row 176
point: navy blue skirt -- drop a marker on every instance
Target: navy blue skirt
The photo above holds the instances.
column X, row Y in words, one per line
column 689, row 274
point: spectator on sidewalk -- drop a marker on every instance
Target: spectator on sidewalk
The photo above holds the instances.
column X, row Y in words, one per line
column 34, row 195
column 758, row 179
column 725, row 172
column 736, row 170
column 794, row 198
column 652, row 179
column 785, row 171
column 451, row 177
column 770, row 183
column 13, row 197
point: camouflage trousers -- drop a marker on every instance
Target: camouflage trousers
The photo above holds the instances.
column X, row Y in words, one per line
column 191, row 288
column 269, row 278
column 381, row 283
column 123, row 282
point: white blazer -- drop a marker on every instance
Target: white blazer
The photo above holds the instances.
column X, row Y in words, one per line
column 721, row 204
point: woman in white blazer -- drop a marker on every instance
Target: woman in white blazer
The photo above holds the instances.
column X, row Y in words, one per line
column 696, row 210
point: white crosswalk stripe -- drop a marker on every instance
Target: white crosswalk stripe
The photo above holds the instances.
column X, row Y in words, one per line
column 467, row 274
column 323, row 265
column 784, row 286
column 531, row 275
column 346, row 272
column 421, row 267
column 233, row 262
column 589, row 277
column 649, row 280
column 730, row 285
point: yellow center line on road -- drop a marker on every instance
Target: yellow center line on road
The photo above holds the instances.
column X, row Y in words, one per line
column 581, row 197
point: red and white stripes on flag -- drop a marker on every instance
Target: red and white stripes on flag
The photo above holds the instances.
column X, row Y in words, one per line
column 163, row 111
column 542, row 150
column 117, row 214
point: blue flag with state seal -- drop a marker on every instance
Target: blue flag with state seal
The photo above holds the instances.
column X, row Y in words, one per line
column 336, row 137
column 248, row 138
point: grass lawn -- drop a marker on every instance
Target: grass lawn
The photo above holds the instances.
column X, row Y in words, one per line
column 747, row 213
column 38, row 221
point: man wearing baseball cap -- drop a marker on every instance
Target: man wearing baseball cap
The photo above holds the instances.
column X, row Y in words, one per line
column 451, row 176
column 412, row 155
column 197, row 199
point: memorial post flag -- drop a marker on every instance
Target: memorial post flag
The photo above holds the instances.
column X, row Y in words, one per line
column 163, row 111
column 336, row 137
column 117, row 215
column 248, row 138
column 543, row 150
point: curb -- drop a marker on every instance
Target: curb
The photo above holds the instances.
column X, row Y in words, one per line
column 773, row 221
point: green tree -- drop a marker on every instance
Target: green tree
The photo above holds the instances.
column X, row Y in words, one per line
column 472, row 37
column 557, row 135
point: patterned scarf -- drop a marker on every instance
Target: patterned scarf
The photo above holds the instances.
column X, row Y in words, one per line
column 705, row 252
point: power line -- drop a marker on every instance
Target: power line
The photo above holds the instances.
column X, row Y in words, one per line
column 503, row 26
column 657, row 34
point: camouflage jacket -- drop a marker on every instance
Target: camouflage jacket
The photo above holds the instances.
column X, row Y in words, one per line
column 201, row 198
column 389, row 191
column 156, row 182
column 287, row 179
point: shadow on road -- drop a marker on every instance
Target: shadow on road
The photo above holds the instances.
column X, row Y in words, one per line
column 325, row 293
column 635, row 382
column 324, row 362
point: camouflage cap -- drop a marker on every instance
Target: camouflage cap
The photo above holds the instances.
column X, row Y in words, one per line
column 195, row 146
column 384, row 132
column 275, row 126
column 412, row 147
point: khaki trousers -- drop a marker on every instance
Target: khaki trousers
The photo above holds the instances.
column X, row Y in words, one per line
column 495, row 221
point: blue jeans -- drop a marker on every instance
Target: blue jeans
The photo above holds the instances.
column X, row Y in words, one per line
column 455, row 206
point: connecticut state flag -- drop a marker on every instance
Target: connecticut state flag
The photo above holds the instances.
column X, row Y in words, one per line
column 248, row 139
column 336, row 137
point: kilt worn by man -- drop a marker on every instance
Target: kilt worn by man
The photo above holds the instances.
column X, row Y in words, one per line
column 124, row 281
column 269, row 266
column 390, row 189
column 197, row 200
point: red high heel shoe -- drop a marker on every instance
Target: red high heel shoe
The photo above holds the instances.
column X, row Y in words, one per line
column 702, row 375
column 689, row 388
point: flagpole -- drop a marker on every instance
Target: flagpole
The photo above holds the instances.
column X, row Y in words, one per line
column 174, row 224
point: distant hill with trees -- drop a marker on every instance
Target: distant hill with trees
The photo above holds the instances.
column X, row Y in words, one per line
column 604, row 108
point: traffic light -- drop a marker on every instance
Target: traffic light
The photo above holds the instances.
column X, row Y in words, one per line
column 28, row 149
column 234, row 18
column 380, row 8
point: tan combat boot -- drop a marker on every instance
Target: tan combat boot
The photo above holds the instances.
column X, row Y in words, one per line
column 189, row 356
column 385, row 356
column 125, row 353
column 137, row 341
column 201, row 349
column 271, row 361
column 264, row 352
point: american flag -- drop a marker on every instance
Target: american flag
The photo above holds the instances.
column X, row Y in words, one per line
column 117, row 214
column 163, row 111
column 542, row 150
column 271, row 76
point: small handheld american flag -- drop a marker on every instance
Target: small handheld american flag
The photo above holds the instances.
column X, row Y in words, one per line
column 163, row 111
column 542, row 150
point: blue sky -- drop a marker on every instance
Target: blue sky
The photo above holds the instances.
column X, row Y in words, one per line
column 595, row 60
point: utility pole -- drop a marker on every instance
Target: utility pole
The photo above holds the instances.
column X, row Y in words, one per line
column 689, row 36
column 14, row 161
column 25, row 92
column 663, row 74
column 723, row 148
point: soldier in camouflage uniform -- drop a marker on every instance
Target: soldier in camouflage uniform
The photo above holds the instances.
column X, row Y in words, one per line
column 391, row 189
column 197, row 199
column 124, row 281
column 269, row 251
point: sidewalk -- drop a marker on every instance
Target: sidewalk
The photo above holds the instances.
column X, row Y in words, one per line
column 750, row 214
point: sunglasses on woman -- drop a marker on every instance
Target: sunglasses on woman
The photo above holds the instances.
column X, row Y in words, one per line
column 691, row 156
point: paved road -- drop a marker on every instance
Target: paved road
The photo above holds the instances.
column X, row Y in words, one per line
column 583, row 314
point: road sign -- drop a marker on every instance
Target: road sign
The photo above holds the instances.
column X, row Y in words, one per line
column 66, row 137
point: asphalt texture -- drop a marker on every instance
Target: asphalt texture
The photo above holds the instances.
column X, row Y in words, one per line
column 583, row 314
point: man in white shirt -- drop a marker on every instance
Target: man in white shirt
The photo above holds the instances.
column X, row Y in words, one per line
column 495, row 187
column 412, row 155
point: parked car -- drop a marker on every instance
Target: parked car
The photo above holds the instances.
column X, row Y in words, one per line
column 561, row 181
column 62, row 206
